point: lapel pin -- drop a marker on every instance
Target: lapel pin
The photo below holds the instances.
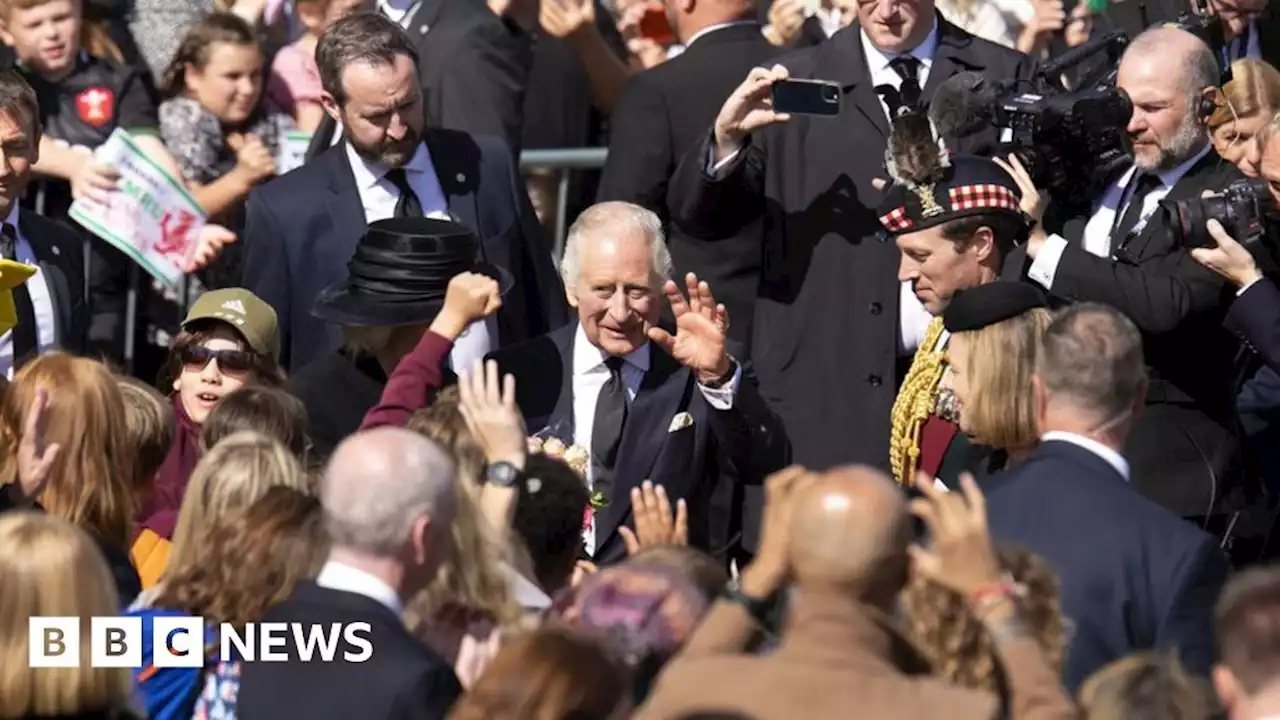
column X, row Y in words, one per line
column 423, row 30
column 57, row 250
column 460, row 177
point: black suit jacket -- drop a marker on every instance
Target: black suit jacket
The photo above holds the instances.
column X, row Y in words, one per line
column 59, row 252
column 1133, row 575
column 473, row 66
column 1255, row 318
column 746, row 442
column 1184, row 443
column 826, row 316
column 403, row 678
column 662, row 113
column 303, row 227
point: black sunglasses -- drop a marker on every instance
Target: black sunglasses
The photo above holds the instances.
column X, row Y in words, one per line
column 196, row 357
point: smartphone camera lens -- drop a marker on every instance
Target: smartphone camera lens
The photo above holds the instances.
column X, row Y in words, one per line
column 830, row 94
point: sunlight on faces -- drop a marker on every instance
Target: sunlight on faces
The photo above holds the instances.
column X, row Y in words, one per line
column 382, row 117
column 45, row 37
column 229, row 84
column 895, row 25
column 1234, row 140
column 18, row 151
column 1269, row 166
column 1163, row 128
column 957, row 359
column 937, row 267
column 202, row 388
column 618, row 296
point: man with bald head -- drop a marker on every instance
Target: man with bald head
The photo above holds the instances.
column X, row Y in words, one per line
column 842, row 540
column 1126, row 254
column 645, row 402
column 388, row 506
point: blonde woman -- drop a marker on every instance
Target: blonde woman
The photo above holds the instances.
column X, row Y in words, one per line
column 994, row 330
column 51, row 568
column 233, row 475
column 1247, row 103
column 83, row 437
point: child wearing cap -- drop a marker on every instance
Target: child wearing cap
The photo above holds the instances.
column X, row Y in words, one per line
column 228, row 340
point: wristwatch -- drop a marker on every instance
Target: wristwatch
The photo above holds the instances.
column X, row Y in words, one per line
column 502, row 474
column 758, row 608
column 720, row 381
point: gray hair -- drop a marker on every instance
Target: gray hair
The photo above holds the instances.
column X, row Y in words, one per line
column 378, row 483
column 1091, row 357
column 367, row 37
column 615, row 219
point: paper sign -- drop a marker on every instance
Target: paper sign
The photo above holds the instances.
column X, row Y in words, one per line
column 150, row 216
column 293, row 151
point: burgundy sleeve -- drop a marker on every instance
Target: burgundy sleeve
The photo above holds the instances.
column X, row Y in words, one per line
column 416, row 376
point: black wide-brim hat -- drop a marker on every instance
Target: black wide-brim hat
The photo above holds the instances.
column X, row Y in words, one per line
column 970, row 185
column 400, row 272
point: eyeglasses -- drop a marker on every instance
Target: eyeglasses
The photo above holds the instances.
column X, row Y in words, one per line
column 196, row 357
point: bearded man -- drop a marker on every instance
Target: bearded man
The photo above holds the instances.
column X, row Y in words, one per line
column 303, row 227
column 1126, row 253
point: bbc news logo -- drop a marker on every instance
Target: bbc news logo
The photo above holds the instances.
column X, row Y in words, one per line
column 180, row 642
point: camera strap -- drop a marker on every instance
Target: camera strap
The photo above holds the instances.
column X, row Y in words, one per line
column 1132, row 216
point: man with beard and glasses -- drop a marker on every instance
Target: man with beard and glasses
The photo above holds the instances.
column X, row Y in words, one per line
column 1125, row 254
column 302, row 228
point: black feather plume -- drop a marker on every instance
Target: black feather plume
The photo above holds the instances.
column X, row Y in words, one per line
column 913, row 156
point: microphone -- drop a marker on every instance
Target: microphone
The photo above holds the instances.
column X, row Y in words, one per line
column 963, row 105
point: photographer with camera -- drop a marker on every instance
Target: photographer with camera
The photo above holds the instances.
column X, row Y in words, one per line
column 1125, row 253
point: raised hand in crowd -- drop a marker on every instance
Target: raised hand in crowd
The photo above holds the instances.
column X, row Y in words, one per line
column 1049, row 18
column 960, row 556
column 701, row 323
column 565, row 18
column 36, row 456
column 1229, row 258
column 748, row 109
column 786, row 18
column 470, row 297
column 209, row 244
column 645, row 51
column 1081, row 25
column 770, row 571
column 93, row 180
column 488, row 405
column 656, row 524
column 1033, row 201
column 254, row 161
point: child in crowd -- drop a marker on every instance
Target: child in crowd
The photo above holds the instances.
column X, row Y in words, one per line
column 294, row 85
column 228, row 340
column 148, row 420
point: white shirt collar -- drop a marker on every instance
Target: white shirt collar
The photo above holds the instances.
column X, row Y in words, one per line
column 368, row 174
column 1113, row 458
column 587, row 357
column 719, row 26
column 878, row 60
column 337, row 576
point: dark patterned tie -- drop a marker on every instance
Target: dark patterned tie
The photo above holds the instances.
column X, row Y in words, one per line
column 606, row 431
column 1145, row 184
column 908, row 68
column 408, row 206
column 24, row 334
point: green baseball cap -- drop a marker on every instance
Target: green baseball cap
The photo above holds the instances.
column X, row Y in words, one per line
column 254, row 319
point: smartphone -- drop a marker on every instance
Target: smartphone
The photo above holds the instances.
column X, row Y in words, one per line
column 654, row 26
column 807, row 97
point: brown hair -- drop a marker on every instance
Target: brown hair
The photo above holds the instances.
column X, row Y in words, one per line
column 95, row 39
column 1254, row 89
column 263, row 409
column 1146, row 684
column 264, row 371
column 1247, row 627
column 999, row 362
column 252, row 559
column 956, row 643
column 549, row 674
column 18, row 97
column 442, row 421
column 194, row 50
column 90, row 483
column 148, row 418
column 367, row 37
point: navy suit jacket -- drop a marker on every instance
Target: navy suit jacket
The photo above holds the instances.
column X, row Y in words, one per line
column 1134, row 576
column 745, row 443
column 1255, row 318
column 59, row 252
column 302, row 229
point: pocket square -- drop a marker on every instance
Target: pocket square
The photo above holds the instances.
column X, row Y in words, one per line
column 680, row 422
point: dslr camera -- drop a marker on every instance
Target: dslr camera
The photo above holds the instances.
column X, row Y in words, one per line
column 1242, row 208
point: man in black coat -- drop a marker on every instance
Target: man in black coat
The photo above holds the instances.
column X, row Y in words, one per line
column 666, row 110
column 302, row 228
column 1124, row 252
column 388, row 505
column 827, row 332
column 1133, row 575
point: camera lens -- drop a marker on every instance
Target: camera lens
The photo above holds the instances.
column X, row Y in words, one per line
column 830, row 94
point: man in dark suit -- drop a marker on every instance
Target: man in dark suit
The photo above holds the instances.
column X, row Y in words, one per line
column 388, row 505
column 832, row 321
column 1124, row 252
column 50, row 306
column 666, row 110
column 302, row 228
column 1133, row 575
column 678, row 410
column 473, row 67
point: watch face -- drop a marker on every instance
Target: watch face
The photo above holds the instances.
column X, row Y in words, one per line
column 502, row 474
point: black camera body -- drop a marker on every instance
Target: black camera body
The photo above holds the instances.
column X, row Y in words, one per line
column 1070, row 143
column 1242, row 208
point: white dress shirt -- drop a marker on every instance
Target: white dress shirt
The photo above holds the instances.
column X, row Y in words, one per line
column 589, row 377
column 1097, row 232
column 337, row 576
column 1113, row 458
column 378, row 196
column 399, row 11
column 41, row 302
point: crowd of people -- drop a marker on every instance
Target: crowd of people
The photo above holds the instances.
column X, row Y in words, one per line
column 804, row 417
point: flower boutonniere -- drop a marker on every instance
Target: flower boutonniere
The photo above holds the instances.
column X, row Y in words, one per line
column 578, row 460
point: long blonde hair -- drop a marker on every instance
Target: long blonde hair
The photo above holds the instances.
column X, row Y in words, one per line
column 229, row 478
column 1254, row 88
column 51, row 568
column 999, row 361
column 91, row 481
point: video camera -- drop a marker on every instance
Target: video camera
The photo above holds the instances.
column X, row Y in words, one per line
column 1210, row 30
column 1242, row 208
